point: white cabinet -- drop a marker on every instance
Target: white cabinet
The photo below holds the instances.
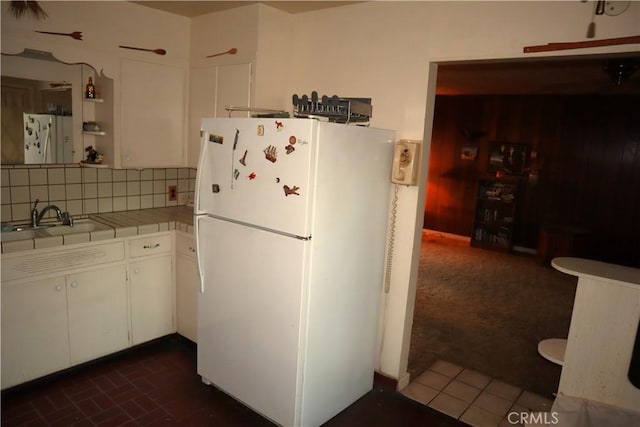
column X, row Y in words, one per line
column 68, row 305
column 153, row 114
column 35, row 338
column 187, row 286
column 233, row 87
column 152, row 289
column 51, row 324
column 98, row 313
column 211, row 90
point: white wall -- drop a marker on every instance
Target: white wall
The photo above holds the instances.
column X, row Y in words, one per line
column 105, row 25
column 383, row 50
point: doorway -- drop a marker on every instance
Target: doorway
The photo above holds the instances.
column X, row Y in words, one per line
column 471, row 309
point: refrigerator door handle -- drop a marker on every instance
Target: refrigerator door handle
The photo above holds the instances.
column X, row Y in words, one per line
column 47, row 143
column 201, row 165
column 198, row 254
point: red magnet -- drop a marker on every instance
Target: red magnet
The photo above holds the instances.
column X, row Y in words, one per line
column 288, row 190
column 252, row 176
column 289, row 149
column 279, row 125
column 292, row 140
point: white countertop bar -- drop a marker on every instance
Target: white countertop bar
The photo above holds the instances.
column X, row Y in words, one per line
column 604, row 322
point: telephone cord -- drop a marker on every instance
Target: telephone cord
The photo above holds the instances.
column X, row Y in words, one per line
column 392, row 236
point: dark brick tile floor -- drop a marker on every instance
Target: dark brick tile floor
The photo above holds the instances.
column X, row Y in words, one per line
column 157, row 385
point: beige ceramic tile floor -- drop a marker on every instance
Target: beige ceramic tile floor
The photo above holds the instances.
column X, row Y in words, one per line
column 473, row 397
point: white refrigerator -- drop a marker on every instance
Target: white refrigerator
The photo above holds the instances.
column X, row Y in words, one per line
column 291, row 218
column 48, row 138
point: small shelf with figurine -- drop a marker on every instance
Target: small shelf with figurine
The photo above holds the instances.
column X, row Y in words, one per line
column 92, row 128
column 98, row 100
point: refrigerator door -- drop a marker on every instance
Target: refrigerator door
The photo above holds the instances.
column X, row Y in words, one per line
column 258, row 172
column 249, row 314
column 63, row 140
column 37, row 138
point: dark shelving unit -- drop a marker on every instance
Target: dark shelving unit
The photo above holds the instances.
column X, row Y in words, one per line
column 495, row 214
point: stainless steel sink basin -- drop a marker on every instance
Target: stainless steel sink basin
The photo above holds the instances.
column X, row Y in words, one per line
column 79, row 226
column 10, row 236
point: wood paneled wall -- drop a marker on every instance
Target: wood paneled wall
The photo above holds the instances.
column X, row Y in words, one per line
column 586, row 150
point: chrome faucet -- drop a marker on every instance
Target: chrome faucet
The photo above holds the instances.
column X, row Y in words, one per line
column 36, row 217
column 34, row 214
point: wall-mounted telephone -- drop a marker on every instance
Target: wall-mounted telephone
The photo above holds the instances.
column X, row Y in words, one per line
column 406, row 162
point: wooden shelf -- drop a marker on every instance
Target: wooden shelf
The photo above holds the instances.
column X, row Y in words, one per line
column 94, row 165
column 97, row 100
column 88, row 132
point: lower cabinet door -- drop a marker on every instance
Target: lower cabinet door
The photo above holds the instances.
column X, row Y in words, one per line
column 152, row 298
column 35, row 339
column 187, row 287
column 98, row 312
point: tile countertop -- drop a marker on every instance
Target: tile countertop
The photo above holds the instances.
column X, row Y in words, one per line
column 123, row 224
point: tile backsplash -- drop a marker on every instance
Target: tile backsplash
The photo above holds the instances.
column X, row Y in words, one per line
column 83, row 191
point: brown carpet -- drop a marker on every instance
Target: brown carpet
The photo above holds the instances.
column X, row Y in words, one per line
column 487, row 311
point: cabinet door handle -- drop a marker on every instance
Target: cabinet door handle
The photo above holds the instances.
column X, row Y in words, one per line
column 74, row 284
column 151, row 246
column 59, row 288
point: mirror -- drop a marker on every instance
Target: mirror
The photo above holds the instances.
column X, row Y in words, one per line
column 41, row 109
column 37, row 121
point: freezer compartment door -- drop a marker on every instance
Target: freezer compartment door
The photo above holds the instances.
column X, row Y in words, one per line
column 249, row 315
column 257, row 171
column 38, row 138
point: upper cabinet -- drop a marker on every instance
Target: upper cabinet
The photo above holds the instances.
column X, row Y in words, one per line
column 256, row 76
column 143, row 111
column 152, row 103
column 212, row 89
column 153, row 114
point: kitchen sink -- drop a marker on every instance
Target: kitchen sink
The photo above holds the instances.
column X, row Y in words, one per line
column 79, row 226
column 10, row 236
column 48, row 230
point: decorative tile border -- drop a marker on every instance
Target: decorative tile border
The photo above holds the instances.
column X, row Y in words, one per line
column 86, row 191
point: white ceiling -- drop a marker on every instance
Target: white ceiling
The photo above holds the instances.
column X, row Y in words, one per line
column 197, row 8
column 579, row 75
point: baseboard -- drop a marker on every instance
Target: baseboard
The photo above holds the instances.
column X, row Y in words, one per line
column 448, row 235
column 520, row 249
column 44, row 380
column 524, row 250
column 404, row 381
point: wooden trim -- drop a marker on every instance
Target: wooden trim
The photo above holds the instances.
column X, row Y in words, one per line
column 581, row 45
